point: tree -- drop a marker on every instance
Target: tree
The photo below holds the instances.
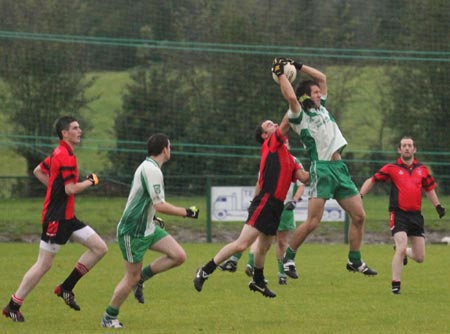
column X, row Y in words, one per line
column 44, row 79
column 419, row 92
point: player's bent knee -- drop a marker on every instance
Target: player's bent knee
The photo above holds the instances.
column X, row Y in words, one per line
column 179, row 258
column 358, row 220
column 104, row 249
column 100, row 249
column 134, row 279
column 419, row 259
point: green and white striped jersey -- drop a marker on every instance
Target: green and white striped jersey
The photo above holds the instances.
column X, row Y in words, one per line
column 147, row 189
column 318, row 132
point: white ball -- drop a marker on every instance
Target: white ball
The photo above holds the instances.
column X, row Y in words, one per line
column 289, row 70
column 446, row 240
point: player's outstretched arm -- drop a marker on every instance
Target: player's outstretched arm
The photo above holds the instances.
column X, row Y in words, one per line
column 76, row 188
column 170, row 209
column 286, row 87
column 289, row 94
column 284, row 125
column 367, row 186
column 320, row 77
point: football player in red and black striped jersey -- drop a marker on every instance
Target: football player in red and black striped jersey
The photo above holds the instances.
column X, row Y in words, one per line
column 408, row 178
column 59, row 173
column 277, row 170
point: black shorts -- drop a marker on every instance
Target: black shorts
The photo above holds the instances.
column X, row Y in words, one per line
column 59, row 232
column 264, row 213
column 410, row 222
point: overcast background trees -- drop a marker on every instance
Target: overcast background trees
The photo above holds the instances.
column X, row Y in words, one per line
column 200, row 71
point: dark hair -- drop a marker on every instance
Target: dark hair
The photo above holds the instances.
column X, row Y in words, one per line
column 63, row 123
column 157, row 143
column 258, row 133
column 304, row 87
column 406, row 137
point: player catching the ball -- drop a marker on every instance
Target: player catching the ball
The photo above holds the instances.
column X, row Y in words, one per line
column 329, row 175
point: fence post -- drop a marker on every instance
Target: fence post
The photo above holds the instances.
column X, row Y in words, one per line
column 208, row 210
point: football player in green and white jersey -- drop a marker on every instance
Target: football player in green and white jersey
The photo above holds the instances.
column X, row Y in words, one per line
column 139, row 229
column 329, row 175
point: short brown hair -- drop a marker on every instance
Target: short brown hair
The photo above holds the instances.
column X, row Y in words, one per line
column 157, row 143
column 63, row 123
column 406, row 137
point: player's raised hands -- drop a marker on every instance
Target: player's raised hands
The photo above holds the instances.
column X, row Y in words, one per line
column 297, row 65
column 278, row 66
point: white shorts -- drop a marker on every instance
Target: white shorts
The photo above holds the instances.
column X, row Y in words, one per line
column 79, row 236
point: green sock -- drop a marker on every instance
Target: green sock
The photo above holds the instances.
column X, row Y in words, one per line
column 280, row 268
column 146, row 273
column 112, row 312
column 290, row 254
column 251, row 260
column 355, row 257
column 236, row 257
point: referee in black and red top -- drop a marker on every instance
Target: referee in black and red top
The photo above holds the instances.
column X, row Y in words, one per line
column 407, row 177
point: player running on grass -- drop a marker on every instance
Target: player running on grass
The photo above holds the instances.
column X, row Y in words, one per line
column 329, row 175
column 137, row 231
column 407, row 177
column 59, row 173
column 277, row 170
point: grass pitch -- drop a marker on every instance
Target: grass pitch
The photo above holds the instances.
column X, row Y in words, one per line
column 326, row 298
column 20, row 218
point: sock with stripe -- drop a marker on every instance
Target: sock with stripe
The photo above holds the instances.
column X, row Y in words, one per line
column 79, row 271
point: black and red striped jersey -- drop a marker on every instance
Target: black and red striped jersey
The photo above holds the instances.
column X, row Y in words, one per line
column 277, row 167
column 407, row 184
column 62, row 169
column 45, row 165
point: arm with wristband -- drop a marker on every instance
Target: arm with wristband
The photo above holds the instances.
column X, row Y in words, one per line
column 286, row 87
column 318, row 76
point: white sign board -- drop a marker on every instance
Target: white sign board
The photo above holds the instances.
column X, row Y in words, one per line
column 231, row 204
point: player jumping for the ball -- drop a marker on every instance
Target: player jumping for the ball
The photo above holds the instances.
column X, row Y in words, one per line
column 329, row 175
column 277, row 170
